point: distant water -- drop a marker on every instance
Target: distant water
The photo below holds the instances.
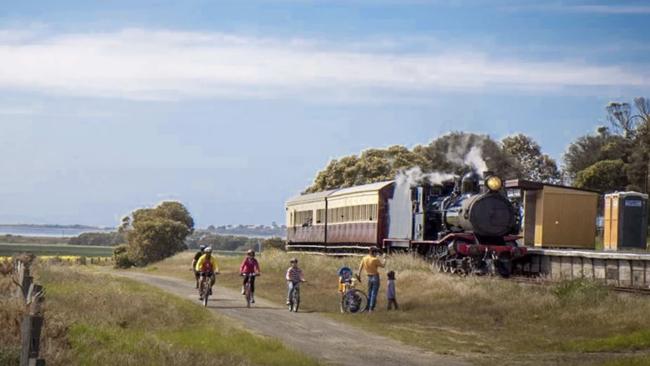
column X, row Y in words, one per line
column 49, row 231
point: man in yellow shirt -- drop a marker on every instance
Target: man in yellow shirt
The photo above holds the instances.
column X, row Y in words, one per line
column 207, row 266
column 371, row 263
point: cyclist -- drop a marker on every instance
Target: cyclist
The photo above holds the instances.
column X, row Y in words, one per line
column 206, row 266
column 346, row 280
column 196, row 259
column 294, row 276
column 249, row 266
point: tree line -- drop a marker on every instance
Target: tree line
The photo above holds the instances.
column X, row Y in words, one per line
column 615, row 157
column 232, row 242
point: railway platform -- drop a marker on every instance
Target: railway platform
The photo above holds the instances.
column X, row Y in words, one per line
column 618, row 269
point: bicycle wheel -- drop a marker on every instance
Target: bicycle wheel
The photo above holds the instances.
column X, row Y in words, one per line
column 295, row 302
column 248, row 295
column 205, row 291
column 354, row 301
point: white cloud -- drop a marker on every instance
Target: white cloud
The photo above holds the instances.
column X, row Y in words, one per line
column 159, row 64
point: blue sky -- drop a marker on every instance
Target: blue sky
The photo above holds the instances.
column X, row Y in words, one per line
column 233, row 106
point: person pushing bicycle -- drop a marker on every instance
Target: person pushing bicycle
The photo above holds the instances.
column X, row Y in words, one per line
column 207, row 266
column 250, row 266
column 294, row 277
column 371, row 265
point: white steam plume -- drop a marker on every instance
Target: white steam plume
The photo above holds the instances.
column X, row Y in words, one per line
column 400, row 225
column 415, row 176
column 468, row 153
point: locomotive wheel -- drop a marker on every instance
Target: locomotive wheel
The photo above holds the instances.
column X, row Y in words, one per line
column 437, row 266
column 503, row 267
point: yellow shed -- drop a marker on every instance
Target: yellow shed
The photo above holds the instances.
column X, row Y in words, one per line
column 557, row 216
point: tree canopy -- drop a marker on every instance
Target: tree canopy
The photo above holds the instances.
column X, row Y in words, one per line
column 617, row 158
column 453, row 153
column 156, row 233
column 533, row 164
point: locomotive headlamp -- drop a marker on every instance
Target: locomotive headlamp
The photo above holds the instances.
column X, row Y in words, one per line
column 494, row 183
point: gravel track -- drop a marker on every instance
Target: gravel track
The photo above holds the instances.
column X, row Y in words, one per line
column 327, row 340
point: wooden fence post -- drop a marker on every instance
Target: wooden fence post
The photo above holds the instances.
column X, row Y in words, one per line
column 31, row 338
column 32, row 324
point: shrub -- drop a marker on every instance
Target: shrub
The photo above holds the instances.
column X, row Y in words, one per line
column 121, row 257
column 274, row 243
column 156, row 233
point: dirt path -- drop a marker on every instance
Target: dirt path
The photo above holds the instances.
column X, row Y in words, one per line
column 327, row 340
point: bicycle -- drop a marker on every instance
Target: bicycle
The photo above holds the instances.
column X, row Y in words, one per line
column 294, row 299
column 205, row 290
column 353, row 300
column 248, row 294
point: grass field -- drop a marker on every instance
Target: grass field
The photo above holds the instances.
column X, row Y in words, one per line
column 95, row 319
column 7, row 250
column 487, row 320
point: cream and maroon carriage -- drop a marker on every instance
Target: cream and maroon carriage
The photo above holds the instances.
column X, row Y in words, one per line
column 339, row 221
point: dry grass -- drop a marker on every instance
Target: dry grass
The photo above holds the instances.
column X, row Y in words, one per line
column 487, row 319
column 94, row 319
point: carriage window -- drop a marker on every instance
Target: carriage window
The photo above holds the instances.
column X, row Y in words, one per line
column 357, row 213
column 303, row 218
column 320, row 216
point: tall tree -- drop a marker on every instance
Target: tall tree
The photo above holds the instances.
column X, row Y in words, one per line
column 534, row 165
column 156, row 233
column 639, row 161
column 603, row 176
column 590, row 149
column 618, row 115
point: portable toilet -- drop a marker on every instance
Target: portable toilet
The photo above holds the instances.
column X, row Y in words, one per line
column 626, row 221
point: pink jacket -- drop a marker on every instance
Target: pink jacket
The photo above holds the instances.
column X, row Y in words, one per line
column 249, row 265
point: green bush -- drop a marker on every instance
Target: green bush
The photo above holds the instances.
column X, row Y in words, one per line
column 274, row 243
column 154, row 234
column 121, row 257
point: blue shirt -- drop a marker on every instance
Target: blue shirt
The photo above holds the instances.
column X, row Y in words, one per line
column 390, row 293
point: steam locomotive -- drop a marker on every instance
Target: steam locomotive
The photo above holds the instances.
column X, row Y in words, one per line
column 466, row 226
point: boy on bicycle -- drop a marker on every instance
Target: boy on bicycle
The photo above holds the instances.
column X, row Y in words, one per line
column 294, row 276
column 206, row 266
column 346, row 281
column 249, row 266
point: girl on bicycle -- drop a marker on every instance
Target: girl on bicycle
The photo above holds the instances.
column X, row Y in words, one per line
column 294, row 276
column 249, row 266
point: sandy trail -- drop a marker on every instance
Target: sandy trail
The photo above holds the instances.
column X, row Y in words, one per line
column 327, row 340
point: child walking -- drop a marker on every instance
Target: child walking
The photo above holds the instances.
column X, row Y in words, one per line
column 390, row 292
